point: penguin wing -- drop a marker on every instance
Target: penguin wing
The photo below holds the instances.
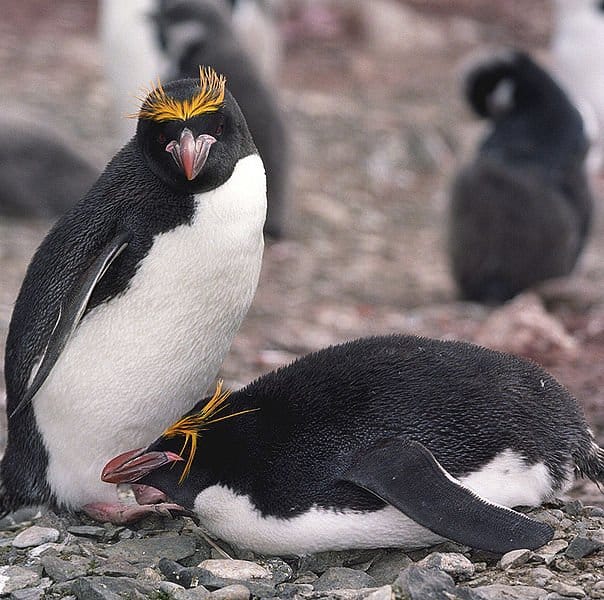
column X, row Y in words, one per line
column 70, row 313
column 405, row 474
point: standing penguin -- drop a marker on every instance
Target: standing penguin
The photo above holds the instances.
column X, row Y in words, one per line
column 135, row 293
column 520, row 212
column 395, row 441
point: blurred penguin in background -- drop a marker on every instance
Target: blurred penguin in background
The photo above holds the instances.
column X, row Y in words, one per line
column 577, row 50
column 43, row 172
column 144, row 39
column 520, row 212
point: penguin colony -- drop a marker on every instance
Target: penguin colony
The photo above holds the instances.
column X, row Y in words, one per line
column 387, row 441
column 135, row 293
column 520, row 212
column 144, row 38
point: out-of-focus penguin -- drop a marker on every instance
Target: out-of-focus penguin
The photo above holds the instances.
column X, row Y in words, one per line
column 389, row 441
column 520, row 212
column 42, row 172
column 577, row 50
column 135, row 294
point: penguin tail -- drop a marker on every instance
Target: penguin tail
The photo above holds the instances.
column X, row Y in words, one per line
column 590, row 464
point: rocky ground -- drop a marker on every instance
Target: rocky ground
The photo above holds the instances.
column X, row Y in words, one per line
column 378, row 129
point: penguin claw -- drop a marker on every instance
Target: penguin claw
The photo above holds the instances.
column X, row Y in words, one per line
column 123, row 514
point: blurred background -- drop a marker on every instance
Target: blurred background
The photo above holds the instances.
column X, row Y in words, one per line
column 378, row 127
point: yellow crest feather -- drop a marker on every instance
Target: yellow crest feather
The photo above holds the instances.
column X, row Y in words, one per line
column 191, row 425
column 158, row 106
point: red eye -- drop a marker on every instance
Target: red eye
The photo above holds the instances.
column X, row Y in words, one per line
column 219, row 129
column 161, row 138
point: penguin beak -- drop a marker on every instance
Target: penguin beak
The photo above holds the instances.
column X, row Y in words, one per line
column 135, row 464
column 190, row 153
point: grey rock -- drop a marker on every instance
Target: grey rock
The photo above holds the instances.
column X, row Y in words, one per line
column 14, row 578
column 242, row 570
column 36, row 593
column 386, row 568
column 17, row 518
column 594, row 511
column 294, row 591
column 573, row 508
column 149, row 575
column 231, row 592
column 320, row 562
column 306, row 577
column 452, row 563
column 35, row 536
column 539, row 576
column 499, row 591
column 382, row 593
column 514, row 558
column 423, row 583
column 337, row 578
column 582, row 546
column 37, row 551
column 63, row 570
column 279, row 570
column 149, row 551
column 564, row 589
column 548, row 552
column 171, row 589
column 554, row 596
column 177, row 592
column 89, row 531
column 110, row 588
column 121, row 568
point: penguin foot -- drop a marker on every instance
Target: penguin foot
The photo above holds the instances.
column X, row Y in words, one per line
column 145, row 494
column 122, row 514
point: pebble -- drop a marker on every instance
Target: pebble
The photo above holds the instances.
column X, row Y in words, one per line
column 581, row 546
column 423, row 583
column 15, row 577
column 499, row 591
column 43, row 548
column 548, row 552
column 64, row 570
column 564, row 589
column 149, row 551
column 573, row 508
column 386, row 568
column 382, row 593
column 452, row 563
column 36, row 536
column 338, row 578
column 243, row 570
column 89, row 531
column 231, row 592
column 514, row 558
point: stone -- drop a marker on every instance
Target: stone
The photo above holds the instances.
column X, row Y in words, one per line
column 14, row 578
column 177, row 592
column 35, row 593
column 548, row 552
column 149, row 551
column 581, row 546
column 499, row 591
column 423, row 583
column 242, row 570
column 110, row 588
column 386, row 568
column 452, row 563
column 573, row 507
column 321, row 561
column 89, row 531
column 514, row 558
column 122, row 568
column 148, row 575
column 37, row 551
column 336, row 578
column 63, row 570
column 382, row 593
column 36, row 536
column 231, row 592
column 594, row 511
column 564, row 589
column 539, row 576
column 278, row 569
column 306, row 577
column 294, row 591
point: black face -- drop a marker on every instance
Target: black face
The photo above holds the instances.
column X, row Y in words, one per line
column 217, row 140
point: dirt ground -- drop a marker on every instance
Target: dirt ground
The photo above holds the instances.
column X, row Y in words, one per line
column 378, row 129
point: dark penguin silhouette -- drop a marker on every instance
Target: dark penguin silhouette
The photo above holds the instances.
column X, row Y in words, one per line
column 137, row 291
column 386, row 441
column 520, row 212
column 197, row 32
column 42, row 173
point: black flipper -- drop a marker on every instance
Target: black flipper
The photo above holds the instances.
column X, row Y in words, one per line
column 406, row 475
column 70, row 314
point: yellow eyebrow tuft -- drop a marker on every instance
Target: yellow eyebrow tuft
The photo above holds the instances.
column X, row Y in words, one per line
column 159, row 107
column 191, row 425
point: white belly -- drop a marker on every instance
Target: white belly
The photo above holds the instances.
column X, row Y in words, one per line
column 138, row 362
column 506, row 480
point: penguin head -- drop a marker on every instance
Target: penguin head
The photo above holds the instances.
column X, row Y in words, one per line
column 192, row 133
column 172, row 462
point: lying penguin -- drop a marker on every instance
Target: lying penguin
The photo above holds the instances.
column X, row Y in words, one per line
column 136, row 291
column 393, row 441
column 520, row 212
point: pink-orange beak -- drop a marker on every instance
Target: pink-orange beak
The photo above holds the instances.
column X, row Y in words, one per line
column 191, row 153
column 135, row 464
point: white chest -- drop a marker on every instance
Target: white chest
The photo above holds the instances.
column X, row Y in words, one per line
column 139, row 361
